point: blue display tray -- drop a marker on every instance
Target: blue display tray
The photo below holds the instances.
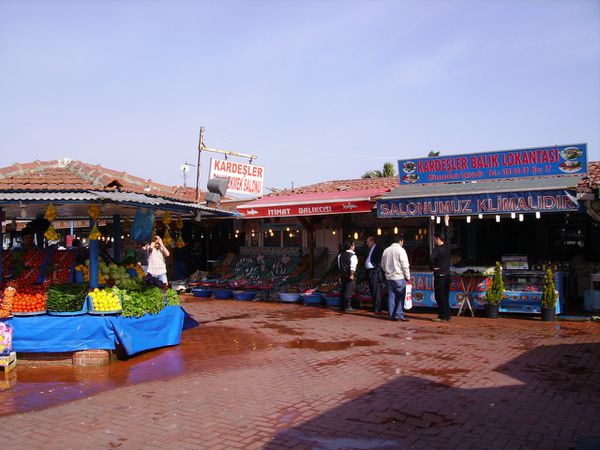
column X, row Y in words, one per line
column 26, row 314
column 91, row 310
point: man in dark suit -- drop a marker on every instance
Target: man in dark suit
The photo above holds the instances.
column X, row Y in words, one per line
column 375, row 275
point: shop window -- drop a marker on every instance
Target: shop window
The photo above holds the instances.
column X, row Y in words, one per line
column 272, row 238
column 292, row 238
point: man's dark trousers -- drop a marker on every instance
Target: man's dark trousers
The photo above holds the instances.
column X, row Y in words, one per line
column 375, row 288
column 441, row 285
column 346, row 293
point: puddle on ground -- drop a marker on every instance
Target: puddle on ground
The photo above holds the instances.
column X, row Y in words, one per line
column 283, row 329
column 202, row 348
column 308, row 312
column 221, row 319
column 321, row 346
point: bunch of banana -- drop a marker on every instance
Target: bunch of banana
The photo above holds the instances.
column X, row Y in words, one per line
column 167, row 219
column 167, row 240
column 180, row 243
column 95, row 233
column 50, row 213
column 94, row 211
column 51, row 234
column 179, row 223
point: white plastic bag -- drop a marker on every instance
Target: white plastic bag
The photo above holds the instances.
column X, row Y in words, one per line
column 408, row 297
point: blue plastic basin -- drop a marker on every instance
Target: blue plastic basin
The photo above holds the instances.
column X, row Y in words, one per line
column 289, row 297
column 312, row 299
column 222, row 294
column 244, row 295
column 203, row 293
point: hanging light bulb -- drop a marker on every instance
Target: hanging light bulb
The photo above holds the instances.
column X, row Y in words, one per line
column 356, row 235
column 513, row 215
column 23, row 212
column 291, row 234
column 468, row 219
column 480, row 216
column 270, row 230
column 378, row 231
column 287, row 229
column 438, row 220
column 432, row 217
column 497, row 218
column 538, row 214
column 333, row 231
column 446, row 220
column 521, row 217
column 395, row 230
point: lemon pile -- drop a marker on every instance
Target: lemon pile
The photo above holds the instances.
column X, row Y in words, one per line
column 105, row 300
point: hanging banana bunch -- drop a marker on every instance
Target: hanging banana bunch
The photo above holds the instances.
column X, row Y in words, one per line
column 51, row 234
column 95, row 233
column 167, row 240
column 94, row 211
column 167, row 219
column 180, row 243
column 50, row 213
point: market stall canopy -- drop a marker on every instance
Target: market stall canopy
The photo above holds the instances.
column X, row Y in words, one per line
column 26, row 189
column 332, row 197
column 549, row 194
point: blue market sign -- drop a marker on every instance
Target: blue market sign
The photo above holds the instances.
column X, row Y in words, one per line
column 532, row 162
column 467, row 205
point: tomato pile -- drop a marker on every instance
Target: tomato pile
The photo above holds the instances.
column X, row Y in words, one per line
column 29, row 299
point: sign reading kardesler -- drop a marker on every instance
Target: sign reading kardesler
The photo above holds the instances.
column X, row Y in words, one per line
column 522, row 163
column 244, row 178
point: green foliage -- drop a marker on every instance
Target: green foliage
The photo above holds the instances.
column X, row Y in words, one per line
column 494, row 293
column 138, row 303
column 389, row 170
column 173, row 298
column 549, row 295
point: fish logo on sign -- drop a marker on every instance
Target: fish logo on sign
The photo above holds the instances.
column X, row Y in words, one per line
column 251, row 212
column 349, row 206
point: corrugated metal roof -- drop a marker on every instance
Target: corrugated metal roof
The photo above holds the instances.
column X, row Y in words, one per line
column 130, row 198
column 447, row 189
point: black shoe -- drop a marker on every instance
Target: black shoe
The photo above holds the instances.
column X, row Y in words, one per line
column 393, row 319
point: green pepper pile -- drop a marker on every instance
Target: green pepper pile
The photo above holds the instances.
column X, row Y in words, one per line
column 65, row 297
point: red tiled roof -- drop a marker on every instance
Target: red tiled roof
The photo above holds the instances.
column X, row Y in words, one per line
column 360, row 184
column 592, row 181
column 72, row 175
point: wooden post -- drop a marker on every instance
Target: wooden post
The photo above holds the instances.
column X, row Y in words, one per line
column 308, row 226
column 94, row 248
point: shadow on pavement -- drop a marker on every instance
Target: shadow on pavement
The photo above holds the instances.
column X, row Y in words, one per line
column 547, row 398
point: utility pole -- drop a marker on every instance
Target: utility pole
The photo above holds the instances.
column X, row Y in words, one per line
column 201, row 147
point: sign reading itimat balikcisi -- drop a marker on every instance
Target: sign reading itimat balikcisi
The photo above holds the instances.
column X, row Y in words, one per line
column 243, row 178
column 532, row 162
column 467, row 205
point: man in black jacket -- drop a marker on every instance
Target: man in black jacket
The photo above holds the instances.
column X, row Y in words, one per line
column 375, row 276
column 347, row 262
column 440, row 264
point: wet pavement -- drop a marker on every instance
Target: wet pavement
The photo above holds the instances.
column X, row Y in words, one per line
column 275, row 376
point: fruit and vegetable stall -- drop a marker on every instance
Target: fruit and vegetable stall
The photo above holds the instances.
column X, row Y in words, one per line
column 52, row 301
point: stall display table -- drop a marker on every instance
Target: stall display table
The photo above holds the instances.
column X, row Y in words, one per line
column 467, row 283
column 47, row 334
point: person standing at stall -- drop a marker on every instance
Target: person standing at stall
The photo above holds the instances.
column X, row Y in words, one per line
column 157, row 252
column 440, row 265
column 394, row 263
column 347, row 262
column 375, row 276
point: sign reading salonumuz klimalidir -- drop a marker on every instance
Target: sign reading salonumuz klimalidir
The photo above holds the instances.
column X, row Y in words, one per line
column 244, row 178
column 506, row 164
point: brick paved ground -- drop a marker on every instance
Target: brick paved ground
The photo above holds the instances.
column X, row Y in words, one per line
column 273, row 376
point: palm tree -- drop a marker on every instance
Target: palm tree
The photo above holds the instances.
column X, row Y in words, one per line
column 389, row 170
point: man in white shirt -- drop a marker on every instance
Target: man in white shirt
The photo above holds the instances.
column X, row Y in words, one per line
column 347, row 262
column 394, row 263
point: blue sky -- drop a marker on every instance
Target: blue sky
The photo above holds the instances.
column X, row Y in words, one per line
column 319, row 90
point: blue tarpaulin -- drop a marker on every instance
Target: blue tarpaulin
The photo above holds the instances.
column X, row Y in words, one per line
column 66, row 334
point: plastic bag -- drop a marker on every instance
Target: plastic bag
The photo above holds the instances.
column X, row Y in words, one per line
column 5, row 339
column 408, row 297
column 143, row 222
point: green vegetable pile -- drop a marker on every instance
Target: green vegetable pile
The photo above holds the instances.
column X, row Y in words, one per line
column 65, row 297
column 138, row 303
column 172, row 298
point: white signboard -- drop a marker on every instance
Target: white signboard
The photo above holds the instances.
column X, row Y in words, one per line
column 244, row 178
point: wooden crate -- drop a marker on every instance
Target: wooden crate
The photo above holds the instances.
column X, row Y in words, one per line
column 8, row 363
